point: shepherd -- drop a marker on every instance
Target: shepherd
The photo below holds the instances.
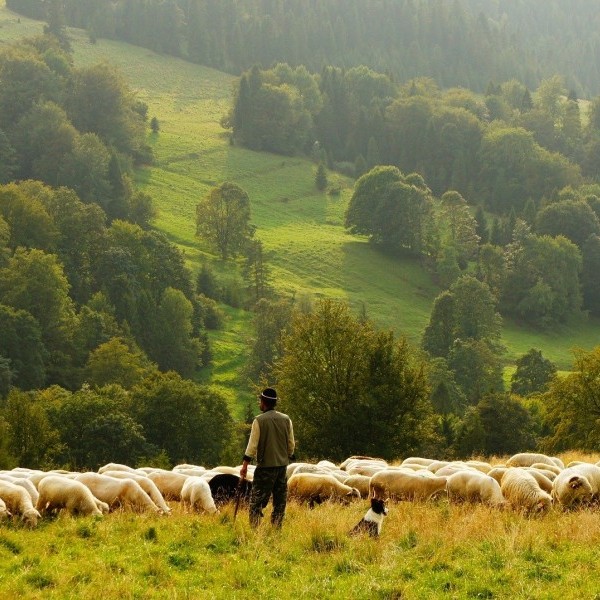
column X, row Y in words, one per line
column 272, row 444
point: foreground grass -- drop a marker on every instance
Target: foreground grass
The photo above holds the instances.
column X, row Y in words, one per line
column 427, row 550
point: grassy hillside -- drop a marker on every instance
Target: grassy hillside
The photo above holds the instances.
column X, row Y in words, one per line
column 301, row 229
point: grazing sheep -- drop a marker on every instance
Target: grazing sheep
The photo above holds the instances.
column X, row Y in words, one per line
column 546, row 467
column 453, row 468
column 35, row 478
column 571, row 488
column 195, row 471
column 436, row 465
column 146, row 484
column 4, row 512
column 227, row 470
column 417, row 460
column 196, row 493
column 474, row 486
column 316, row 488
column 592, row 473
column 352, row 460
column 405, row 485
column 522, row 490
column 479, row 465
column 585, row 471
column 24, row 483
column 411, row 467
column 526, row 459
column 311, row 468
column 115, row 467
column 18, row 502
column 359, row 482
column 327, row 464
column 497, row 473
column 168, row 483
column 225, row 487
column 125, row 493
column 543, row 481
column 57, row 492
column 365, row 469
column 187, row 466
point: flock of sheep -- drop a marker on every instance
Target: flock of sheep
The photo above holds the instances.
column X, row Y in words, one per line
column 528, row 482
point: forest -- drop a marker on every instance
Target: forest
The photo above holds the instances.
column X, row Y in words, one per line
column 494, row 189
column 463, row 43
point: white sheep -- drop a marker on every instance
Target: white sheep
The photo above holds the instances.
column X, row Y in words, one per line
column 328, row 465
column 498, row 472
column 168, row 483
column 365, row 469
column 4, row 512
column 546, row 467
column 186, row 466
column 474, row 486
column 543, row 481
column 125, row 493
column 480, row 465
column 592, row 473
column 571, row 488
column 436, row 465
column 24, row 483
column 146, row 484
column 411, row 467
column 18, row 502
column 359, row 482
column 317, row 488
column 417, row 460
column 196, row 493
column 115, row 467
column 57, row 492
column 453, row 468
column 406, row 485
column 526, row 459
column 194, row 471
column 354, row 460
column 322, row 470
column 522, row 490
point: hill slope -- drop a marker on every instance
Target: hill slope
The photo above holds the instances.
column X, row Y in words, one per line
column 301, row 229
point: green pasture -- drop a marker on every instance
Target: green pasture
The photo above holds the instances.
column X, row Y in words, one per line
column 309, row 252
column 426, row 551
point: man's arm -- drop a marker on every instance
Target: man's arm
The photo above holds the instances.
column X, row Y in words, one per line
column 251, row 448
column 291, row 441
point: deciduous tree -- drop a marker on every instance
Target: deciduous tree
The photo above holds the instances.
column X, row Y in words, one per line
column 337, row 372
column 223, row 219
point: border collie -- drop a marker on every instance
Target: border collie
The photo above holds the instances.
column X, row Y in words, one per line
column 371, row 523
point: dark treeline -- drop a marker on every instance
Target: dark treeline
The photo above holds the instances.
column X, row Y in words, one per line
column 466, row 42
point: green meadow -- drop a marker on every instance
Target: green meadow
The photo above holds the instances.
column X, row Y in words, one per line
column 309, row 252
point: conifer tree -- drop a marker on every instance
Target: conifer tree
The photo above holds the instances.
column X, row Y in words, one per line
column 321, row 177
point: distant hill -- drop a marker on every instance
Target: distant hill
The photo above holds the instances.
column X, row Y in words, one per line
column 309, row 251
column 464, row 43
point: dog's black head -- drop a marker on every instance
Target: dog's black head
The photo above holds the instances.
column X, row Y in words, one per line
column 378, row 506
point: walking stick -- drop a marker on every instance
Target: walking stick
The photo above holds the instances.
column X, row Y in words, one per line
column 238, row 497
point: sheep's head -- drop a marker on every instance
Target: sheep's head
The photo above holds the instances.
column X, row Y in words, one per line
column 31, row 516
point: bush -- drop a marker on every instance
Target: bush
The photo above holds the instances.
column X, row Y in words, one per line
column 212, row 316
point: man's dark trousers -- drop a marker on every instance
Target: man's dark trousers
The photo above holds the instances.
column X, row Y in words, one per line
column 267, row 481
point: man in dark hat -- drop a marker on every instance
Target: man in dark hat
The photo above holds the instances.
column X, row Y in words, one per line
column 272, row 444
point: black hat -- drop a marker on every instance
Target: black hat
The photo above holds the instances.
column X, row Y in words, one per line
column 269, row 395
